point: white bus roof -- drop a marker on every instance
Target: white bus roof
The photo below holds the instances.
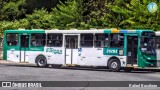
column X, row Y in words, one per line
column 94, row 31
column 74, row 31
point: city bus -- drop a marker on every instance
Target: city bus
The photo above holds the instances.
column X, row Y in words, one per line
column 158, row 47
column 111, row 48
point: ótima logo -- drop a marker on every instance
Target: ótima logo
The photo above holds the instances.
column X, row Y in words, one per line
column 152, row 7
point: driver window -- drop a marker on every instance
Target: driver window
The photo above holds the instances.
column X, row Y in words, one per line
column 144, row 42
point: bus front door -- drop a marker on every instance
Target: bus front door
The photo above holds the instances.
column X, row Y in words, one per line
column 24, row 46
column 71, row 49
column 132, row 47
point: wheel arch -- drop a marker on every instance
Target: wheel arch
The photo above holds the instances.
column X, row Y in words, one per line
column 113, row 57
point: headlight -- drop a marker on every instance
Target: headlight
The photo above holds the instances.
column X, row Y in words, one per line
column 120, row 52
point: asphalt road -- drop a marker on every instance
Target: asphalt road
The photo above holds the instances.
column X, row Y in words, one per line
column 32, row 73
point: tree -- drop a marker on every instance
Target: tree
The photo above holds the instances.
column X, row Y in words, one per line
column 13, row 10
column 31, row 5
column 135, row 15
column 40, row 19
column 80, row 14
column 17, row 9
column 94, row 11
column 9, row 25
column 67, row 15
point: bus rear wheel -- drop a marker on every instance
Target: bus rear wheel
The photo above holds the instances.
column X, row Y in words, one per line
column 41, row 61
column 114, row 65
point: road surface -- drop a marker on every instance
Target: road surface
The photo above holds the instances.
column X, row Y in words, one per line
column 32, row 73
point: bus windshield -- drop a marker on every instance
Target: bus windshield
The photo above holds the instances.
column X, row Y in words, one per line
column 148, row 45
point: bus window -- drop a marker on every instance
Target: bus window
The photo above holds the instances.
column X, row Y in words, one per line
column 38, row 39
column 86, row 40
column 117, row 40
column 54, row 40
column 158, row 42
column 12, row 39
column 101, row 40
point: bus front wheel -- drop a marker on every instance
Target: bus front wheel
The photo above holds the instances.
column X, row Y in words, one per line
column 41, row 61
column 114, row 65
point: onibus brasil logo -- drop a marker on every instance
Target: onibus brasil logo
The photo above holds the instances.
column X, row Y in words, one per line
column 152, row 7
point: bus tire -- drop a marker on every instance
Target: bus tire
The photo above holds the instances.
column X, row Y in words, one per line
column 41, row 61
column 114, row 65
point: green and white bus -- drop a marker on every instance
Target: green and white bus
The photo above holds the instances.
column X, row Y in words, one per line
column 158, row 47
column 112, row 48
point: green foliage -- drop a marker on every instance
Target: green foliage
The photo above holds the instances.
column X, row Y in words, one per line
column 115, row 16
column 94, row 11
column 135, row 15
column 80, row 14
column 5, row 25
column 40, row 19
column 104, row 13
column 13, row 10
column 22, row 23
column 31, row 5
column 67, row 15
column 17, row 9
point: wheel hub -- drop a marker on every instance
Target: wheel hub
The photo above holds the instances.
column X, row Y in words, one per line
column 114, row 65
column 41, row 62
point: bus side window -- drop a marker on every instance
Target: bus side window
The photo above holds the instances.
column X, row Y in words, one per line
column 12, row 39
column 116, row 40
column 158, row 42
column 38, row 39
column 101, row 40
column 86, row 40
column 54, row 40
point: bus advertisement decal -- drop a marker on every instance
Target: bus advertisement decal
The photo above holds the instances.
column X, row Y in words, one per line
column 54, row 51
